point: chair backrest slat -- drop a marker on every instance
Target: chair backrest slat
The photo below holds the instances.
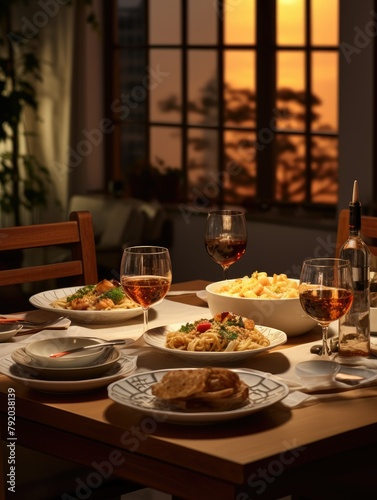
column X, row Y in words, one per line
column 368, row 231
column 76, row 234
column 38, row 235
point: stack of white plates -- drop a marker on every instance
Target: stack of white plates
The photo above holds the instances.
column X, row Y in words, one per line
column 111, row 365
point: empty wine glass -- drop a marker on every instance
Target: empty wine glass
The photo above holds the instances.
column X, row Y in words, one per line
column 145, row 275
column 326, row 292
column 225, row 237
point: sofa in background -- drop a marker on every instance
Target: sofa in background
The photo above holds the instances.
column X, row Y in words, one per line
column 122, row 222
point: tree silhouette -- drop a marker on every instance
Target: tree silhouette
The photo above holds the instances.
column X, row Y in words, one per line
column 242, row 142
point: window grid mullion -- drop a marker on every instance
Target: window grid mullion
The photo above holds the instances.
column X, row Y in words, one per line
column 265, row 99
column 147, row 128
column 308, row 105
column 184, row 76
column 220, row 86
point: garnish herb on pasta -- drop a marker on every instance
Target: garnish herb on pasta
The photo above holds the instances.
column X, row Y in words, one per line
column 223, row 333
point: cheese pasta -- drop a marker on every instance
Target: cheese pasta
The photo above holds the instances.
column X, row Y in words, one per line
column 223, row 333
column 259, row 285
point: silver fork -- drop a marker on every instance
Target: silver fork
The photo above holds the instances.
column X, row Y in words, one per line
column 29, row 328
column 42, row 324
column 32, row 324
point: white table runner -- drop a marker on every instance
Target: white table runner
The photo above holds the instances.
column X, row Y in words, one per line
column 277, row 362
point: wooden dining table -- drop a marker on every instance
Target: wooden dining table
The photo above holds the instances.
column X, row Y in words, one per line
column 316, row 451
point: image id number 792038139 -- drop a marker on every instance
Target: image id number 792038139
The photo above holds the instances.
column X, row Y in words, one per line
column 11, row 441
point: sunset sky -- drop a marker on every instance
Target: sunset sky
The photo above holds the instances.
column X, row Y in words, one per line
column 239, row 65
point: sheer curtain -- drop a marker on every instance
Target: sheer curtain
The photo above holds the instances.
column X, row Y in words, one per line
column 69, row 97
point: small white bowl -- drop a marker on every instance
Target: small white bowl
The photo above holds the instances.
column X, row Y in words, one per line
column 282, row 314
column 317, row 372
column 8, row 331
column 42, row 349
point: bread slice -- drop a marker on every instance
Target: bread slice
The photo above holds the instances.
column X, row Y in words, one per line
column 203, row 389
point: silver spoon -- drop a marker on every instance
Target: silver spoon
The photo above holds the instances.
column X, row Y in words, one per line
column 85, row 347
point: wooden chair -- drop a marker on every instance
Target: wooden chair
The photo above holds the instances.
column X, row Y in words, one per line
column 51, row 477
column 76, row 234
column 368, row 231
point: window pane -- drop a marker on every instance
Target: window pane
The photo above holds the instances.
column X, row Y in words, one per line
column 203, row 165
column 202, row 22
column 164, row 22
column 203, row 94
column 165, row 148
column 239, row 20
column 325, row 88
column 131, row 22
column 290, row 22
column 325, row 25
column 324, row 170
column 165, row 86
column 240, row 166
column 290, row 90
column 159, row 110
column 239, row 94
column 290, row 169
column 131, row 104
column 133, row 147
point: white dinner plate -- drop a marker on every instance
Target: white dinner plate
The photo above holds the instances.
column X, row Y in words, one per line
column 155, row 337
column 135, row 392
column 125, row 366
column 43, row 300
column 95, row 369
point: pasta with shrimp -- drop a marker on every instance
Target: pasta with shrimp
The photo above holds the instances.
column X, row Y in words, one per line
column 104, row 296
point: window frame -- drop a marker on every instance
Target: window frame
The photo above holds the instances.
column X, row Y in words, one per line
column 266, row 52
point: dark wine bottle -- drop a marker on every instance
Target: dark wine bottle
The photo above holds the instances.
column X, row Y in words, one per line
column 354, row 327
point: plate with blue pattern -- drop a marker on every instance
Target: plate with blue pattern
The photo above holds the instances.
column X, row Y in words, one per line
column 135, row 391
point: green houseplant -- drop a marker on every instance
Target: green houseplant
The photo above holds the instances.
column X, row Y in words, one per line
column 24, row 181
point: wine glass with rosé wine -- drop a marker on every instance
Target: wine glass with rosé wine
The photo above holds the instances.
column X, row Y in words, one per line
column 225, row 237
column 326, row 292
column 145, row 276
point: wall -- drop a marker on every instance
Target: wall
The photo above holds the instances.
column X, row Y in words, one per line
column 274, row 248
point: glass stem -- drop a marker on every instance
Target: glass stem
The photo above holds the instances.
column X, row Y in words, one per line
column 145, row 314
column 225, row 268
column 325, row 347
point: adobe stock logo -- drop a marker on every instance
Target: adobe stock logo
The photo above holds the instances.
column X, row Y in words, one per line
column 263, row 477
column 362, row 38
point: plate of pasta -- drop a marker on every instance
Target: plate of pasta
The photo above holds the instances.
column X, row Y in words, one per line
column 222, row 339
column 101, row 303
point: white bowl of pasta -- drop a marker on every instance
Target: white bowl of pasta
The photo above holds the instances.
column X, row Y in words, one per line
column 277, row 304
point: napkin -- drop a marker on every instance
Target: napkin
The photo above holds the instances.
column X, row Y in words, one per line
column 165, row 313
column 303, row 395
column 17, row 341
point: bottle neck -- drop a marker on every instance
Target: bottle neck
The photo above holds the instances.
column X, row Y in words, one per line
column 355, row 219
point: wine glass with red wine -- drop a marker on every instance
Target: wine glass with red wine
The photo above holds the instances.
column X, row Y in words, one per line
column 225, row 237
column 145, row 276
column 326, row 292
